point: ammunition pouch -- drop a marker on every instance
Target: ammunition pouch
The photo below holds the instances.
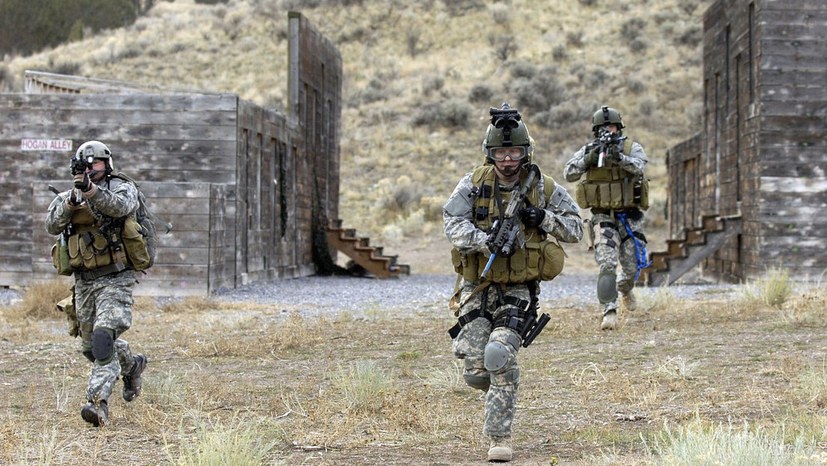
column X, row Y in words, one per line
column 89, row 250
column 60, row 256
column 537, row 261
column 611, row 188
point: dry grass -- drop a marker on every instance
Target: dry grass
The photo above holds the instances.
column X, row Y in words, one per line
column 243, row 383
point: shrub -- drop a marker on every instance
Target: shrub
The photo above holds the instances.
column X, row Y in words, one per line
column 364, row 386
column 775, row 287
column 523, row 69
column 538, row 94
column 412, row 40
column 480, row 93
column 432, row 83
column 504, row 46
column 574, row 38
column 691, row 37
column 450, row 113
column 559, row 53
column 638, row 45
column 632, row 28
column 501, row 13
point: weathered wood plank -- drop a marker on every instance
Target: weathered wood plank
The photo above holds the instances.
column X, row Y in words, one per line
column 121, row 103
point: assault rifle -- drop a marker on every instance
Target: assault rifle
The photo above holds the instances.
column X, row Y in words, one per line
column 506, row 235
column 604, row 140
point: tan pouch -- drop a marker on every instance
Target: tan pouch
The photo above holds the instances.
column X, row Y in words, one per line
column 580, row 195
column 60, row 257
column 134, row 242
column 552, row 260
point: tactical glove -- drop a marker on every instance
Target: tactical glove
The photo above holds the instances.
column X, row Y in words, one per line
column 591, row 157
column 532, row 216
column 614, row 152
column 82, row 182
column 78, row 166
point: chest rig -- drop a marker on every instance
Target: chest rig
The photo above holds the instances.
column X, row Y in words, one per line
column 540, row 259
column 611, row 187
column 96, row 245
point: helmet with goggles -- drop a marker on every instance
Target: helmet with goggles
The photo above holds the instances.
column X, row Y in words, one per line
column 507, row 136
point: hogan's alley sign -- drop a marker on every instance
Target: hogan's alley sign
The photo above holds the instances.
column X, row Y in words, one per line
column 62, row 145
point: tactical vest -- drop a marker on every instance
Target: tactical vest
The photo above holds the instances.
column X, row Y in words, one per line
column 540, row 259
column 611, row 187
column 105, row 245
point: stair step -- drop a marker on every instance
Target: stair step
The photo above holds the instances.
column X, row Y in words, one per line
column 695, row 237
column 370, row 258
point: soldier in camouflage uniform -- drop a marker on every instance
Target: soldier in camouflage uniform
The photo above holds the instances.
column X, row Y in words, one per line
column 494, row 307
column 91, row 216
column 617, row 192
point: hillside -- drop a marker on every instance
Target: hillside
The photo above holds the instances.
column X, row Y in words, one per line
column 420, row 77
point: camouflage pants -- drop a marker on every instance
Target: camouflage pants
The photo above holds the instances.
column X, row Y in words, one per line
column 613, row 246
column 105, row 302
column 469, row 345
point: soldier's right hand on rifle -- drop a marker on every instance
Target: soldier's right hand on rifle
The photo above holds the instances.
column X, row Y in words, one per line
column 592, row 156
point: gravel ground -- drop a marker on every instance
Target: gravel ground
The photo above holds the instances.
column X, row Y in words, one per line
column 416, row 292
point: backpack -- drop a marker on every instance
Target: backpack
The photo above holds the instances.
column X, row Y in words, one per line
column 139, row 236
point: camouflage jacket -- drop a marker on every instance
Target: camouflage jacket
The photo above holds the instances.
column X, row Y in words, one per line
column 113, row 198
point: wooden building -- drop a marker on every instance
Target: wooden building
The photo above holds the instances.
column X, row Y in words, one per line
column 248, row 190
column 747, row 193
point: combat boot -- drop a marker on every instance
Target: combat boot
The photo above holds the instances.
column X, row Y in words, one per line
column 609, row 317
column 500, row 449
column 95, row 414
column 132, row 381
column 628, row 301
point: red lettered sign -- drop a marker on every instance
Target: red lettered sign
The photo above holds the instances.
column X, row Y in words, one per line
column 61, row 145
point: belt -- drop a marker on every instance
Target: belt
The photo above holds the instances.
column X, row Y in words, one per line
column 100, row 272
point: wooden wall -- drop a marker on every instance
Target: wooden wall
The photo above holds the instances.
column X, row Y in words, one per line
column 240, row 184
column 182, row 159
column 315, row 95
column 792, row 90
column 761, row 153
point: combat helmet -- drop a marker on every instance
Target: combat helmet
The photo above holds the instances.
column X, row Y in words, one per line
column 91, row 150
column 507, row 130
column 606, row 115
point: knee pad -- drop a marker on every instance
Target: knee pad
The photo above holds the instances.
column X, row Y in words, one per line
column 479, row 382
column 606, row 287
column 497, row 356
column 103, row 344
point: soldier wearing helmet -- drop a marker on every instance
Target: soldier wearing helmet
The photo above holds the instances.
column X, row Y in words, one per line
column 90, row 218
column 615, row 188
column 496, row 295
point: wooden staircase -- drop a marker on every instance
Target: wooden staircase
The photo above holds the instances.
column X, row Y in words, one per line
column 369, row 258
column 683, row 254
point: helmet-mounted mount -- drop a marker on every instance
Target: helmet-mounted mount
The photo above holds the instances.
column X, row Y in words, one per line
column 505, row 119
column 507, row 129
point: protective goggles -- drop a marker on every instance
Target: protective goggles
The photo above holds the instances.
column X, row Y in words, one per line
column 515, row 153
